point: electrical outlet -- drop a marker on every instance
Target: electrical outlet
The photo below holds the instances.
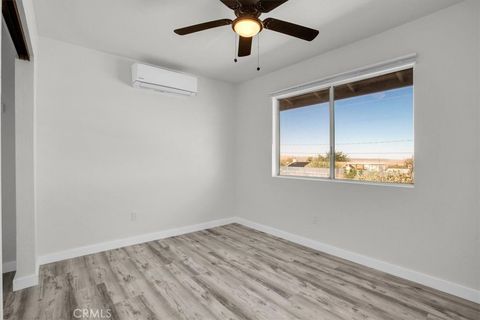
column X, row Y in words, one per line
column 133, row 216
column 316, row 220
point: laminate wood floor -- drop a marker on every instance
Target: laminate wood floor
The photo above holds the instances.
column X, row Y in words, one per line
column 229, row 272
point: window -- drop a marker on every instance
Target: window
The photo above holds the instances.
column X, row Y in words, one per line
column 366, row 124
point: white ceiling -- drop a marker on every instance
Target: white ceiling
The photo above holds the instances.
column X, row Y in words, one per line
column 143, row 30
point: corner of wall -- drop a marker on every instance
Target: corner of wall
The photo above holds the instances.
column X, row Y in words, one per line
column 477, row 3
column 25, row 106
column 1, row 259
column 24, row 282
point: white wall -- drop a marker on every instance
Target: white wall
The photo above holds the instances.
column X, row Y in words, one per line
column 26, row 240
column 105, row 150
column 8, row 147
column 432, row 228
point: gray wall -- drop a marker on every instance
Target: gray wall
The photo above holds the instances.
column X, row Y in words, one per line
column 105, row 150
column 8, row 146
column 431, row 228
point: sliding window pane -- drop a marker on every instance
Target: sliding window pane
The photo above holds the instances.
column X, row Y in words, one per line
column 374, row 129
column 305, row 135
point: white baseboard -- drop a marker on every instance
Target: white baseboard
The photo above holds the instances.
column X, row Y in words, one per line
column 115, row 244
column 27, row 281
column 401, row 272
column 9, row 266
column 408, row 274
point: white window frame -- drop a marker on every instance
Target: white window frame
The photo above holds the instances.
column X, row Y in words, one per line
column 329, row 83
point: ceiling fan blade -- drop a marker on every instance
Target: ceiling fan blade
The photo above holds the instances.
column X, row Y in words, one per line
column 268, row 5
column 232, row 4
column 203, row 26
column 290, row 29
column 244, row 47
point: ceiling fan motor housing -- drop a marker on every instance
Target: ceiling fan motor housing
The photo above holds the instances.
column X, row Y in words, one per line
column 251, row 11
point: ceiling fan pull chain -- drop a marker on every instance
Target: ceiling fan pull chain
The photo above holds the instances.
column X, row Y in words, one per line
column 258, row 52
column 235, row 48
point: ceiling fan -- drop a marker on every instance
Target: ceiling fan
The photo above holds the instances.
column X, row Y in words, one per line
column 247, row 24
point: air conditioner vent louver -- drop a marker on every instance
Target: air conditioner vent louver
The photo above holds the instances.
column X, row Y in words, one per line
column 163, row 80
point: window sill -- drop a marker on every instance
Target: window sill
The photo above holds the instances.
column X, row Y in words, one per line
column 366, row 183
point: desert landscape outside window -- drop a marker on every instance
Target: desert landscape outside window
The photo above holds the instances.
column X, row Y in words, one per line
column 368, row 125
column 305, row 135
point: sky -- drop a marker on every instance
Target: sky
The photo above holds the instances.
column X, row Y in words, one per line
column 374, row 126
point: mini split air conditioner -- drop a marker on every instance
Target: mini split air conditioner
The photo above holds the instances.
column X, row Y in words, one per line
column 163, row 80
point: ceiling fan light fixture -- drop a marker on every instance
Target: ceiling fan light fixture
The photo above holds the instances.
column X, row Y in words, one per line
column 247, row 27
